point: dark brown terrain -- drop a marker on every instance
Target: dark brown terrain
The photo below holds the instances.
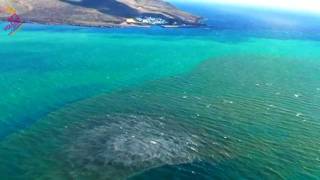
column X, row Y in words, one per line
column 105, row 13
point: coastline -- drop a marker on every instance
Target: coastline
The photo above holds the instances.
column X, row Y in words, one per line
column 121, row 25
column 109, row 14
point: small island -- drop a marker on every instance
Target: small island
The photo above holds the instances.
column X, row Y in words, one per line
column 103, row 13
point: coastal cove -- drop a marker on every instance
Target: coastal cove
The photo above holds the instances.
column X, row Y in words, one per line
column 228, row 100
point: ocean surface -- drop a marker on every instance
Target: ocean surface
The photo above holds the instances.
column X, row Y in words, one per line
column 237, row 99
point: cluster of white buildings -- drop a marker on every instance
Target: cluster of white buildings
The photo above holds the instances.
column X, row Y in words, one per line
column 151, row 20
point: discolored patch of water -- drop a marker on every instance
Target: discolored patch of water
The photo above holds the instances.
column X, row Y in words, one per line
column 118, row 144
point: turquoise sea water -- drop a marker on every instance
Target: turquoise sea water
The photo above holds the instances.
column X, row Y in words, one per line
column 206, row 103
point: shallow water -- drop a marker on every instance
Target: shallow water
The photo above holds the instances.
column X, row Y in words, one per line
column 79, row 103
